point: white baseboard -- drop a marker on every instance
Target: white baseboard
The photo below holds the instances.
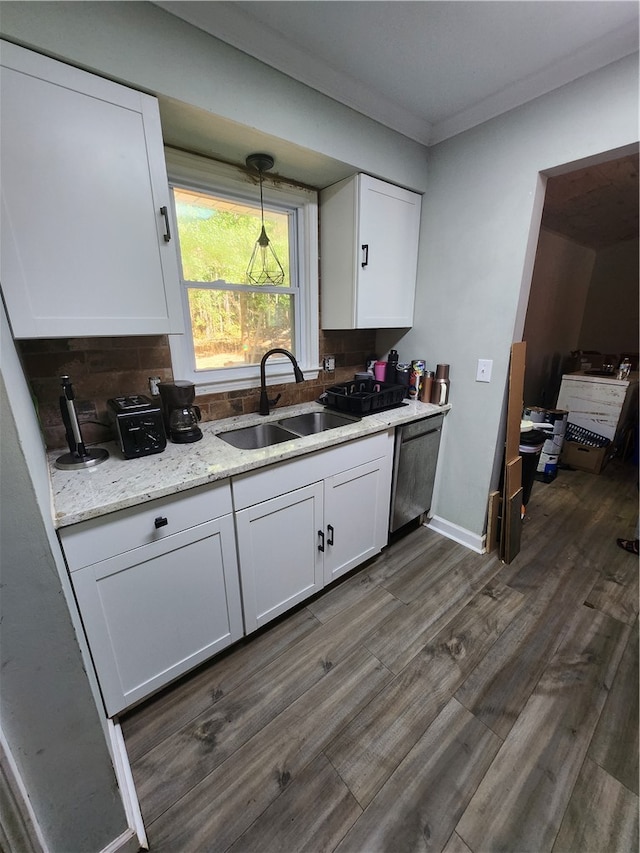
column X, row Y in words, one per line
column 459, row 534
column 127, row 787
column 126, row 843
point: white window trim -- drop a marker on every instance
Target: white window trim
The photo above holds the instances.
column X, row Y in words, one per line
column 200, row 173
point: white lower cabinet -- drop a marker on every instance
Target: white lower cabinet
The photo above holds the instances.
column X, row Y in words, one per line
column 356, row 515
column 278, row 549
column 158, row 586
column 166, row 601
column 294, row 537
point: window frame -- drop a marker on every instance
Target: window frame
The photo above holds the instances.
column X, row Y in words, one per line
column 192, row 171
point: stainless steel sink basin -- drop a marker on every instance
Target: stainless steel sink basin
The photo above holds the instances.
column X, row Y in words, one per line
column 257, row 436
column 297, row 426
column 312, row 422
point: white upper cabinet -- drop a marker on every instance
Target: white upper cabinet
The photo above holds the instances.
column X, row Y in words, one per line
column 369, row 233
column 85, row 244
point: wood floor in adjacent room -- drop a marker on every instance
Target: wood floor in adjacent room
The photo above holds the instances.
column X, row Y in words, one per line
column 436, row 700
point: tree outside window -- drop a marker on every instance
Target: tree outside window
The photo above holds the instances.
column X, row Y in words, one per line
column 232, row 322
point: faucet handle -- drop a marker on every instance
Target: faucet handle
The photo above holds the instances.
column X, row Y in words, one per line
column 275, row 400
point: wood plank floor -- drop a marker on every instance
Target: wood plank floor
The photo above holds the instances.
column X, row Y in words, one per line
column 435, row 700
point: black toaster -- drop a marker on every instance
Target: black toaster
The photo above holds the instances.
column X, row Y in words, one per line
column 137, row 425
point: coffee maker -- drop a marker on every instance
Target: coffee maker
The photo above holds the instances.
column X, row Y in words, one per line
column 180, row 415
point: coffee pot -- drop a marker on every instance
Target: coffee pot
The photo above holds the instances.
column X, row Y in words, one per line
column 180, row 415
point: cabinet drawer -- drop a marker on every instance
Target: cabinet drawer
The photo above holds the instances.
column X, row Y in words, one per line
column 105, row 537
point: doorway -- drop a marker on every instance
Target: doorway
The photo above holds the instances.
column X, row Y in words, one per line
column 584, row 288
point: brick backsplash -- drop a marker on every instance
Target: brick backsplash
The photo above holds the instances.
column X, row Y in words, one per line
column 101, row 368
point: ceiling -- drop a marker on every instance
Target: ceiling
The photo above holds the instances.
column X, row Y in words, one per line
column 432, row 69
column 426, row 68
column 596, row 206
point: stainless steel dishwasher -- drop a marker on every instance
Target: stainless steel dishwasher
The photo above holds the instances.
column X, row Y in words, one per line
column 414, row 469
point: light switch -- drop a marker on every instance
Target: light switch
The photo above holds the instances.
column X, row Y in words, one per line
column 484, row 370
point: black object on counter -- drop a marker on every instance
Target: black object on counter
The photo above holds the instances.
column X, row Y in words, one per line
column 180, row 414
column 138, row 425
column 403, row 374
column 79, row 456
column 363, row 397
column 392, row 362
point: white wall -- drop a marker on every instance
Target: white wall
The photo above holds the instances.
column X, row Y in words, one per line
column 481, row 217
column 610, row 322
column 559, row 291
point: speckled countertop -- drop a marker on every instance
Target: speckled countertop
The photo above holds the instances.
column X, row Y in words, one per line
column 119, row 483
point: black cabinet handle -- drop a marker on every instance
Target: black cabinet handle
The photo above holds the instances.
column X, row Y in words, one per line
column 330, row 536
column 321, row 543
column 167, row 230
column 161, row 521
column 365, row 255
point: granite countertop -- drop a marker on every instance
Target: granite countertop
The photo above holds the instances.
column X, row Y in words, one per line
column 119, row 483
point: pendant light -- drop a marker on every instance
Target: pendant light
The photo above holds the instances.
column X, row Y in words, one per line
column 264, row 266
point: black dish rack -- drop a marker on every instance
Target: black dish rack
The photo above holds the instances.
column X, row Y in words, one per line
column 364, row 396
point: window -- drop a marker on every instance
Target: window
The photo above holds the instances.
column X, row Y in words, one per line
column 230, row 321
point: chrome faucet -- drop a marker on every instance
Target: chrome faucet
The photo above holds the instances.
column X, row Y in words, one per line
column 265, row 402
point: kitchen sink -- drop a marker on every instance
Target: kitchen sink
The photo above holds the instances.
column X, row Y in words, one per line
column 312, row 422
column 258, row 436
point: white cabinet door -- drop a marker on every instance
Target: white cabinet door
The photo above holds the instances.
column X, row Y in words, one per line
column 154, row 612
column 389, row 229
column 295, row 537
column 279, row 550
column 369, row 254
column 356, row 514
column 83, row 184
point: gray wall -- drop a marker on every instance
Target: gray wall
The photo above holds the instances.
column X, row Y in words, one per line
column 49, row 716
column 559, row 292
column 481, row 219
column 580, row 299
column 610, row 322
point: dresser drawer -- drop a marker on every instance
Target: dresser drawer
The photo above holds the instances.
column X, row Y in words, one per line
column 101, row 538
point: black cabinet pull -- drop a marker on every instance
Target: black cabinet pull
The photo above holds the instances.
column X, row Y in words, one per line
column 365, row 255
column 330, row 536
column 167, row 230
column 321, row 543
column 161, row 521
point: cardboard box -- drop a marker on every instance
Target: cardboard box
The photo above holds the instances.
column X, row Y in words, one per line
column 583, row 457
